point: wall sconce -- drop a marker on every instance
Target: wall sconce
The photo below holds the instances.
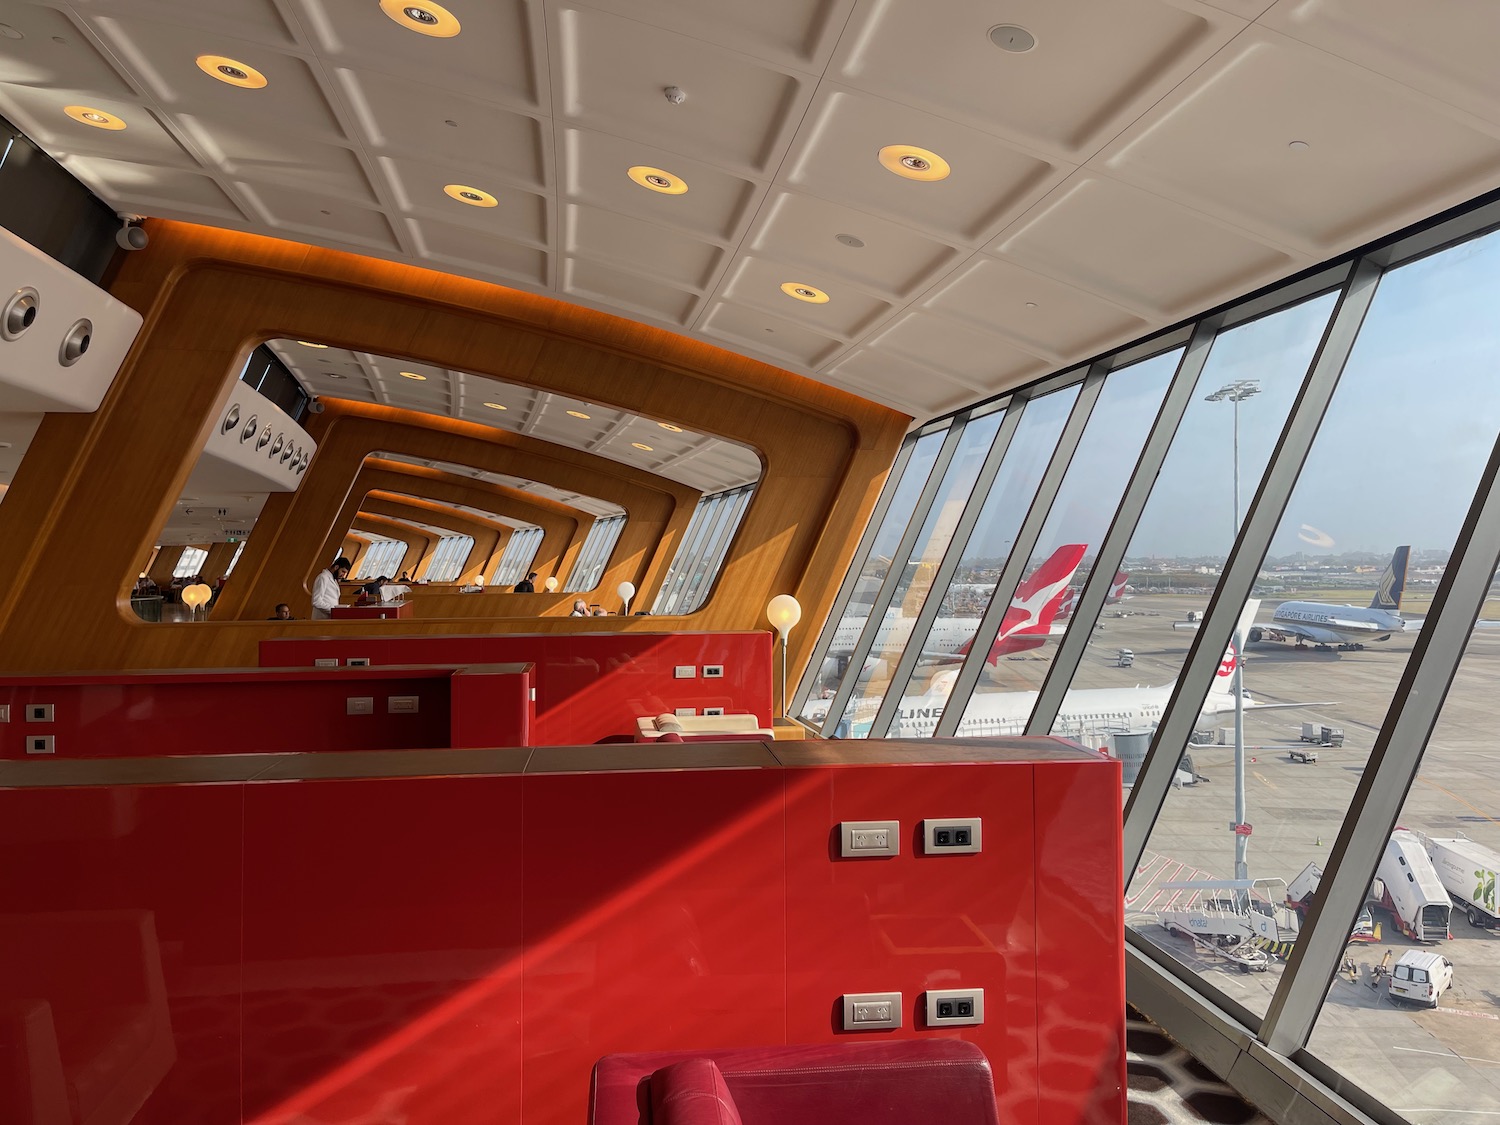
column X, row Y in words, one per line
column 195, row 596
column 626, row 590
column 783, row 612
column 551, row 583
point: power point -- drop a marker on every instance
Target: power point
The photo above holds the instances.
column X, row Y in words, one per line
column 713, row 671
column 950, row 835
column 41, row 744
column 38, row 712
column 401, row 705
column 359, row 705
column 684, row 712
column 954, row 1007
column 713, row 710
column 872, row 1011
column 326, row 662
column 870, row 838
column 4, row 712
column 358, row 662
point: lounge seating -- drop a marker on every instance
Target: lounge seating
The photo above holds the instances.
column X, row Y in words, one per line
column 897, row 1082
column 702, row 728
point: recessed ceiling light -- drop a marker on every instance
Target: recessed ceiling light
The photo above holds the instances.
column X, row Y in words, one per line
column 804, row 293
column 232, row 71
column 669, row 426
column 1009, row 37
column 470, row 195
column 414, row 375
column 577, row 414
column 657, row 180
column 914, row 163
column 88, row 115
column 850, row 240
column 643, row 445
column 495, row 406
column 310, row 344
column 11, row 32
column 425, row 18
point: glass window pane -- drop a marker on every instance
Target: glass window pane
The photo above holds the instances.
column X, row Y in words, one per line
column 592, row 559
column 520, row 552
column 1191, row 519
column 1395, row 464
column 1085, row 505
column 874, row 568
column 190, row 562
column 238, row 551
column 915, row 580
column 449, row 557
column 380, row 560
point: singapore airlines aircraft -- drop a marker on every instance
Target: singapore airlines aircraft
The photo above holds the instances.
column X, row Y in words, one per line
column 1084, row 712
column 1027, row 622
column 1345, row 625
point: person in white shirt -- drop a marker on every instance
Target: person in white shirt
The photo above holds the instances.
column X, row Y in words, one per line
column 580, row 608
column 325, row 589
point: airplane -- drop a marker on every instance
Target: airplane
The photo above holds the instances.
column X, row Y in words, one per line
column 1085, row 712
column 1026, row 625
column 1116, row 594
column 1345, row 625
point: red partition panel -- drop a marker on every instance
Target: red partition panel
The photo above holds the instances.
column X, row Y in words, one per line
column 589, row 686
column 492, row 705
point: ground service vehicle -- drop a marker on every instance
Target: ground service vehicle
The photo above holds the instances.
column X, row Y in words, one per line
column 1420, row 977
column 1467, row 871
column 1408, row 886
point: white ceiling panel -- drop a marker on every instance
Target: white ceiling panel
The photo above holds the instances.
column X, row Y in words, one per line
column 918, row 389
column 967, row 355
column 154, row 190
column 259, row 21
column 420, row 184
column 657, row 250
column 604, row 283
column 837, row 157
column 768, row 335
column 150, row 143
column 462, row 246
column 244, row 151
column 758, row 281
column 798, row 34
column 45, row 49
column 293, row 209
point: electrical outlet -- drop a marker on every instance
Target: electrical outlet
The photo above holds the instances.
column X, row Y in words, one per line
column 713, row 671
column 41, row 744
column 685, row 712
column 950, row 835
column 326, row 662
column 954, row 1007
column 401, row 705
column 869, row 837
column 4, row 712
column 359, row 705
column 685, row 671
column 358, row 662
column 38, row 712
column 870, row 1011
column 713, row 710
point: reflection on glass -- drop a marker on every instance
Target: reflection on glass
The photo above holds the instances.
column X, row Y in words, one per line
column 1335, row 614
column 1189, row 522
column 516, row 560
column 876, row 566
column 1085, row 504
column 915, row 579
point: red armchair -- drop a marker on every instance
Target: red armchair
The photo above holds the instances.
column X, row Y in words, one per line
column 896, row 1082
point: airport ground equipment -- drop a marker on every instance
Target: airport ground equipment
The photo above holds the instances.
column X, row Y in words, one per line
column 1468, row 872
column 1321, row 735
column 1407, row 885
column 1421, row 977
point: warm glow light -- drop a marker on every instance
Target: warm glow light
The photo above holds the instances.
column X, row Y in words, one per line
column 783, row 612
column 195, row 596
column 232, row 71
column 669, row 426
column 656, row 179
column 495, row 406
column 551, row 583
column 643, row 445
column 88, row 115
column 310, row 344
column 473, row 196
column 414, row 375
column 577, row 414
column 423, row 17
column 914, row 163
column 804, row 293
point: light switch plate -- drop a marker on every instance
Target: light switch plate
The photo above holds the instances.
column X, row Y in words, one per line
column 326, row 662
column 4, row 712
column 860, row 838
column 871, row 1011
column 401, row 705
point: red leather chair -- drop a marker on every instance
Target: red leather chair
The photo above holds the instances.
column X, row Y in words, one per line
column 895, row 1082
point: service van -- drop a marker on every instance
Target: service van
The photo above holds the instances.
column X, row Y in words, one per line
column 1124, row 658
column 1421, row 977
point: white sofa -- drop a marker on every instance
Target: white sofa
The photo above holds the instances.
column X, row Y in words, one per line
column 701, row 728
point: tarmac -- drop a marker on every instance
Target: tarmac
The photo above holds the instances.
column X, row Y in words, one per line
column 1432, row 1066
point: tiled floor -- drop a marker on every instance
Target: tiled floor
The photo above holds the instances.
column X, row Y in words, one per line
column 1167, row 1085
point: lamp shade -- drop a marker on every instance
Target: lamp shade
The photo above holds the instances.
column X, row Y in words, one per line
column 194, row 596
column 626, row 590
column 551, row 583
column 783, row 612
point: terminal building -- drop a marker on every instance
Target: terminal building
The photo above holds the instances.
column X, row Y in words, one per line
column 816, row 383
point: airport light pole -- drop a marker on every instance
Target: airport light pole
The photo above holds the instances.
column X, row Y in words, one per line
column 1236, row 393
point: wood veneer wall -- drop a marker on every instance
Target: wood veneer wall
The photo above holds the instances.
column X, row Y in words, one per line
column 485, row 533
column 88, row 499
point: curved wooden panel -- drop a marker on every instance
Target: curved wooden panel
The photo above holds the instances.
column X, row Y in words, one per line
column 86, row 502
column 419, row 545
column 485, row 533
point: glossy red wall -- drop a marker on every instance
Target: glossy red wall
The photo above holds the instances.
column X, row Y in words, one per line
column 460, row 950
column 590, row 686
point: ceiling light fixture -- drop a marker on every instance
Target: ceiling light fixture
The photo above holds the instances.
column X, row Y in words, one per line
column 88, row 115
column 496, row 406
column 644, row 446
column 669, row 426
column 1009, row 37
column 425, row 18
column 657, row 180
column 470, row 195
column 310, row 344
column 414, row 375
column 231, row 71
column 914, row 163
column 1297, row 146
column 577, row 414
column 804, row 293
column 850, row 241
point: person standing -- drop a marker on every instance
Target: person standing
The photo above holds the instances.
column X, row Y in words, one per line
column 526, row 585
column 325, row 590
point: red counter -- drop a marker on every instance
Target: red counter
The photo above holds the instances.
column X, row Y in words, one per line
column 459, row 947
column 393, row 611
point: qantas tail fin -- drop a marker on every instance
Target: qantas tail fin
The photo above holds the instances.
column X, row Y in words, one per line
column 1392, row 582
column 1038, row 598
column 1224, row 677
column 1118, row 587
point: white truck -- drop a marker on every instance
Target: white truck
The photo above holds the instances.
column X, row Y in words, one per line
column 1407, row 885
column 1468, row 871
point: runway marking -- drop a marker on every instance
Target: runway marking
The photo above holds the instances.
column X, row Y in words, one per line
column 1446, row 1055
column 1459, row 799
column 1264, row 780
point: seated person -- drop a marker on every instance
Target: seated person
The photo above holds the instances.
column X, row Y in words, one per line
column 283, row 613
column 580, row 608
column 372, row 588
